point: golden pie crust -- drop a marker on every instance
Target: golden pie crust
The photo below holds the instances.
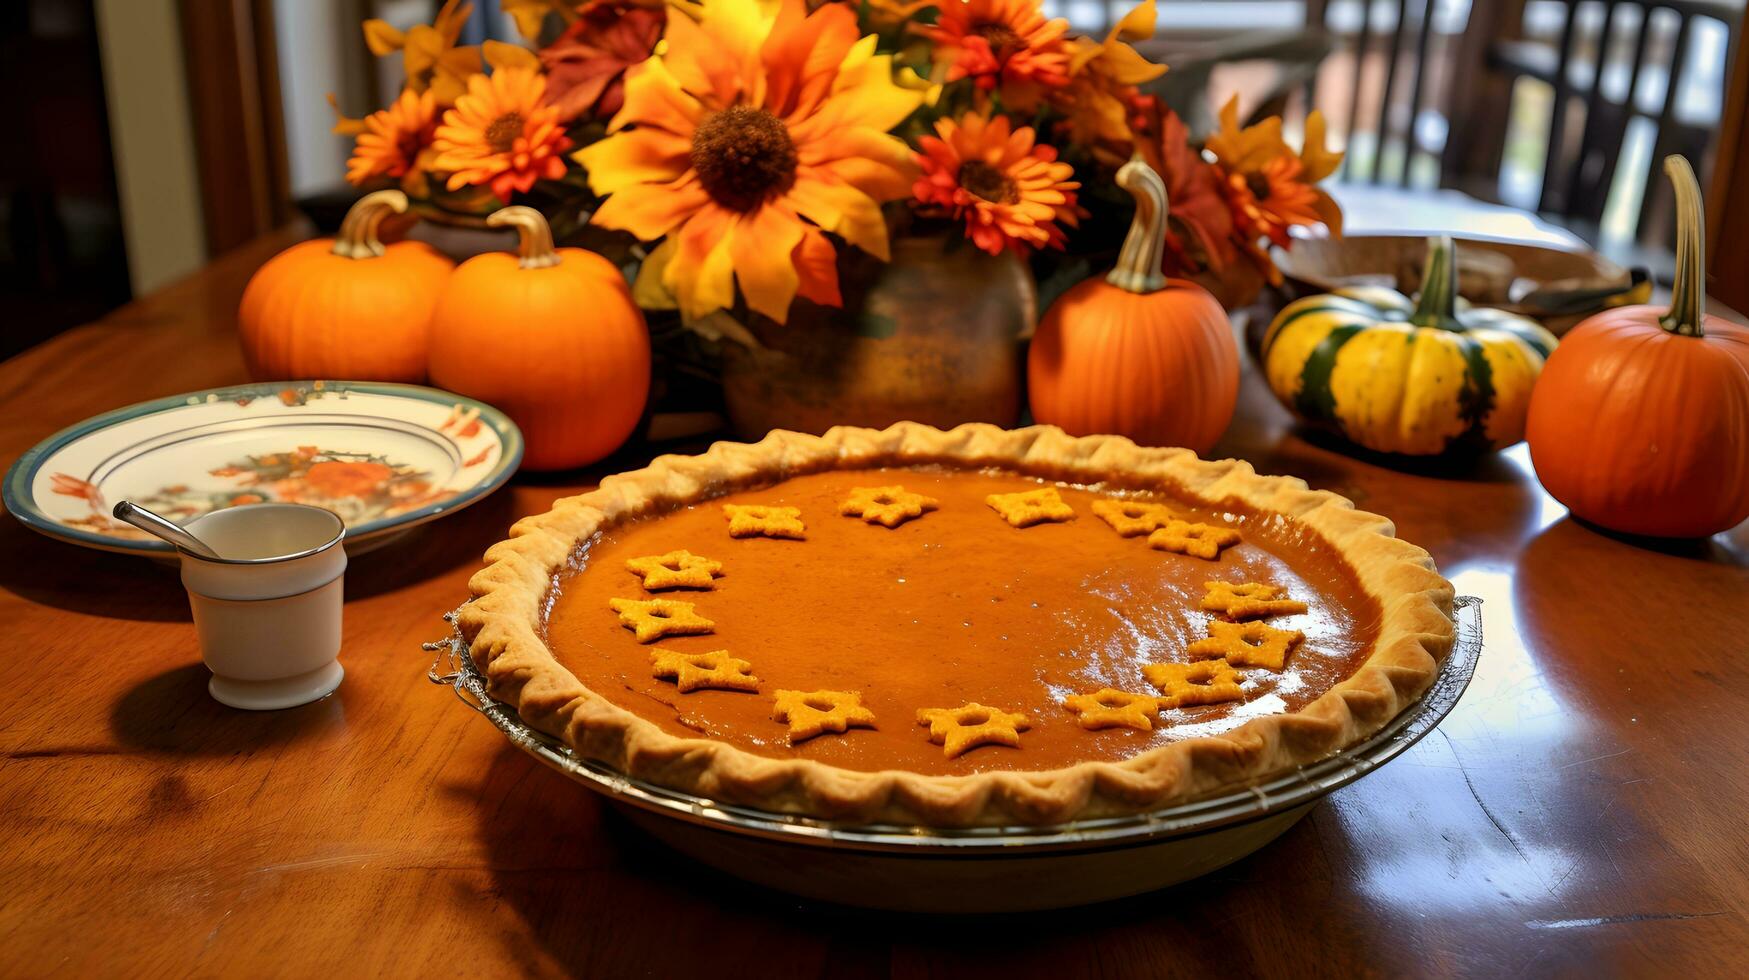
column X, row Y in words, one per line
column 504, row 625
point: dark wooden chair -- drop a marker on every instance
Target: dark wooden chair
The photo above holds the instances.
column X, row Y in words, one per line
column 1428, row 104
column 1611, row 74
column 1402, row 61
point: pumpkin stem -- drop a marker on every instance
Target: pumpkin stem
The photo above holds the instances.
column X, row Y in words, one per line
column 1688, row 295
column 1138, row 265
column 358, row 230
column 534, row 235
column 1437, row 304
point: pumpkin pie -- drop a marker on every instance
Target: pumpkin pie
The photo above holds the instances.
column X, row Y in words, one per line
column 965, row 667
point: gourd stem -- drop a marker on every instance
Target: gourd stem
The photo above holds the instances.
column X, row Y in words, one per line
column 534, row 235
column 1437, row 304
column 1138, row 264
column 358, row 230
column 1688, row 295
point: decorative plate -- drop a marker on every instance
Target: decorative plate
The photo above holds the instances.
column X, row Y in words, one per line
column 385, row 457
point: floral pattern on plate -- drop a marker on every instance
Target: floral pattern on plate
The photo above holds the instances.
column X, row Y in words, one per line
column 384, row 457
column 359, row 487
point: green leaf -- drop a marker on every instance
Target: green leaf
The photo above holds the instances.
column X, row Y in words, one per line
column 875, row 326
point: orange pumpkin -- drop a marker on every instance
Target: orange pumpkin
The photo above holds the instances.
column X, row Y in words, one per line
column 1640, row 422
column 1136, row 353
column 551, row 337
column 347, row 307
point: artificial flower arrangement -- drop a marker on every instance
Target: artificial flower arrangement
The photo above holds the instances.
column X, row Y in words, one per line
column 739, row 146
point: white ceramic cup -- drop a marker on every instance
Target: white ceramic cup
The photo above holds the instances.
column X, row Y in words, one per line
column 268, row 610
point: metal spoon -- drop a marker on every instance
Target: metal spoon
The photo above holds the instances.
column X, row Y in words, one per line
column 161, row 527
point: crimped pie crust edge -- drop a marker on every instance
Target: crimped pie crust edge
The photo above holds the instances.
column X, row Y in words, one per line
column 503, row 626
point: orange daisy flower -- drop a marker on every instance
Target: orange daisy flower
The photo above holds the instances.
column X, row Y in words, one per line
column 502, row 132
column 1001, row 42
column 1011, row 191
column 392, row 138
column 759, row 127
column 1269, row 187
column 1269, row 201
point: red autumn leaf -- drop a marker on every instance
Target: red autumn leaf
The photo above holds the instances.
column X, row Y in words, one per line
column 1193, row 190
column 585, row 65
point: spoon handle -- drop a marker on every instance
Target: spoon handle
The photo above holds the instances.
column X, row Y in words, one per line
column 161, row 527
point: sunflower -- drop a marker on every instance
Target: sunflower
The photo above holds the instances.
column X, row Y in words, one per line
column 1011, row 191
column 502, row 132
column 757, row 128
column 429, row 54
column 393, row 138
column 1006, row 43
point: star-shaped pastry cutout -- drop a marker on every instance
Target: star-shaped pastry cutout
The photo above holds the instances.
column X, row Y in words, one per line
column 959, row 730
column 759, row 520
column 887, row 506
column 675, row 570
column 811, row 713
column 1189, row 685
column 698, row 671
column 652, row 619
column 1132, row 517
column 1246, row 644
column 1253, row 600
column 1030, row 507
column 1198, row 540
column 1111, row 708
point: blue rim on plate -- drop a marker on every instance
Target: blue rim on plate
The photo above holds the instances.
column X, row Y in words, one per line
column 19, row 500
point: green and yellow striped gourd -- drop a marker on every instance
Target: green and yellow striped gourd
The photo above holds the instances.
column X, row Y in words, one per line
column 1420, row 378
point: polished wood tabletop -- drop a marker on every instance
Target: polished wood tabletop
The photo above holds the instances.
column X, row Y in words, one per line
column 1582, row 811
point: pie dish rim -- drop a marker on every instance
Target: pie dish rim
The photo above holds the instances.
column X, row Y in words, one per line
column 504, row 622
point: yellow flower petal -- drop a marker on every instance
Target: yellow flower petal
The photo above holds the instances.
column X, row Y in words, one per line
column 420, row 49
column 841, row 209
column 879, row 164
column 650, row 211
column 382, row 38
column 802, row 53
column 1137, row 25
column 702, row 274
column 717, row 58
column 501, row 55
column 760, row 245
column 654, row 98
column 648, row 291
column 1127, row 67
column 344, row 125
column 1246, row 150
column 449, row 20
column 633, row 156
column 531, row 15
column 1320, row 163
column 817, row 266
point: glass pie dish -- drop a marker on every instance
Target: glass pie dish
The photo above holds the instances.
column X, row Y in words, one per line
column 979, row 869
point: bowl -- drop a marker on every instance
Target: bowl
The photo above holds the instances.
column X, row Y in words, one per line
column 980, row 869
column 1557, row 288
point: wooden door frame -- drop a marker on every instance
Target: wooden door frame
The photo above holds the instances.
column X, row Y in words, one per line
column 1728, row 204
column 239, row 126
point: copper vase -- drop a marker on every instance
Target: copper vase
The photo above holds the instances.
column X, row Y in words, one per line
column 932, row 336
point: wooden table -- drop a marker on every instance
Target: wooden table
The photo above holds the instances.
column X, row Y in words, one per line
column 1582, row 810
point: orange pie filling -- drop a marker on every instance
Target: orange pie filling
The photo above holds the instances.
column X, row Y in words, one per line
column 850, row 617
